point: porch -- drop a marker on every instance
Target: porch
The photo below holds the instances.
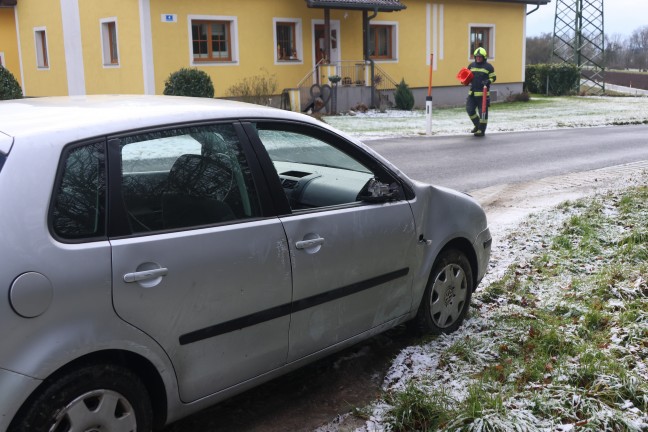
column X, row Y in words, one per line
column 334, row 87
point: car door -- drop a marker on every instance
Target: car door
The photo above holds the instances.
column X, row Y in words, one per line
column 198, row 265
column 351, row 258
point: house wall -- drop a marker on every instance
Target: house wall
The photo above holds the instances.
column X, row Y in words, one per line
column 9, row 42
column 127, row 77
column 50, row 81
column 152, row 47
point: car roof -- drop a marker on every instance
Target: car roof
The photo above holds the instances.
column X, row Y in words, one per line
column 96, row 115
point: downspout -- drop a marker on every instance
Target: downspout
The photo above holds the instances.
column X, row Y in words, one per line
column 368, row 18
column 536, row 8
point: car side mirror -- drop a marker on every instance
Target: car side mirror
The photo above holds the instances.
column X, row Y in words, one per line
column 377, row 192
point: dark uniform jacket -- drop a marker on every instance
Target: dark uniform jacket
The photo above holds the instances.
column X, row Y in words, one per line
column 482, row 71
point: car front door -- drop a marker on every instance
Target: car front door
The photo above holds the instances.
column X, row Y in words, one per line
column 351, row 258
column 198, row 266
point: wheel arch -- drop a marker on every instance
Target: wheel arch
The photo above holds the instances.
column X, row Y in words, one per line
column 465, row 247
column 137, row 364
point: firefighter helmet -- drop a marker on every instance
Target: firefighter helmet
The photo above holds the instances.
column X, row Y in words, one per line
column 480, row 52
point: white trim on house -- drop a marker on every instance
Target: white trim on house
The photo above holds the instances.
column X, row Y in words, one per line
column 336, row 54
column 299, row 43
column 146, row 41
column 71, row 23
column 104, row 34
column 20, row 60
column 233, row 20
column 394, row 41
column 491, row 49
column 42, row 52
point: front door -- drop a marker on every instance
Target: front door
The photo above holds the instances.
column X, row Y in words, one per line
column 319, row 42
column 350, row 258
column 202, row 272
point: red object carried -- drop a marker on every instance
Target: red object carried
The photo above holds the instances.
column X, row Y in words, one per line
column 465, row 76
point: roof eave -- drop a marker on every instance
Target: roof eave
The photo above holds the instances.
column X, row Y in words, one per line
column 359, row 5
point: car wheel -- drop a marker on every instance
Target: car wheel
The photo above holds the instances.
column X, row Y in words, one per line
column 93, row 398
column 447, row 295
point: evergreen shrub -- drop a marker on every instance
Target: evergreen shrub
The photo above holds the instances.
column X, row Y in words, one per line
column 552, row 79
column 403, row 96
column 189, row 82
column 9, row 87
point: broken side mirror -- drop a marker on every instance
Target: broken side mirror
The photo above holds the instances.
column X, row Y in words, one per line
column 377, row 192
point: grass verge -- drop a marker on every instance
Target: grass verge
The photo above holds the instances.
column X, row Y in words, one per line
column 559, row 343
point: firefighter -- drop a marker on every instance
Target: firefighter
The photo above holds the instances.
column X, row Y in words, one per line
column 484, row 75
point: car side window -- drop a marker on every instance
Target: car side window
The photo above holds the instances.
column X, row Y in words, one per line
column 78, row 210
column 186, row 177
column 314, row 173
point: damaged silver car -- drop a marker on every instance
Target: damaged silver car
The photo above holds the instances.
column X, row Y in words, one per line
column 160, row 254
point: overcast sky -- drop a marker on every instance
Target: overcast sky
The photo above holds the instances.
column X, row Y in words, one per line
column 620, row 16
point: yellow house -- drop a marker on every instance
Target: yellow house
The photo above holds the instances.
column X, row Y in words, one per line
column 124, row 46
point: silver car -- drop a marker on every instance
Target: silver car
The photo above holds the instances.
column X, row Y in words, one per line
column 160, row 254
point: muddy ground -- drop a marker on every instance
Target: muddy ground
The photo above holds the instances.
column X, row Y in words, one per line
column 314, row 395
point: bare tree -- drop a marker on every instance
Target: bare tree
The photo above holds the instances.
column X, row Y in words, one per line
column 538, row 49
column 639, row 48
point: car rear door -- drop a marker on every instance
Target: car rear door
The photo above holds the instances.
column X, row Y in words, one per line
column 351, row 259
column 197, row 264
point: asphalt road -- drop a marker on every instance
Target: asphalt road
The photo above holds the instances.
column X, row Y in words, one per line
column 466, row 163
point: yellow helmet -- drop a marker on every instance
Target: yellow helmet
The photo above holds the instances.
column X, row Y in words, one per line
column 480, row 52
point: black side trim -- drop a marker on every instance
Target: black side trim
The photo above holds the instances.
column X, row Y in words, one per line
column 337, row 293
column 288, row 308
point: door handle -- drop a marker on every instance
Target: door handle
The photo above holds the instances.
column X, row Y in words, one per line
column 306, row 244
column 145, row 275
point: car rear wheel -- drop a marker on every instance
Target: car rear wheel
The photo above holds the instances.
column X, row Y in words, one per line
column 91, row 399
column 447, row 296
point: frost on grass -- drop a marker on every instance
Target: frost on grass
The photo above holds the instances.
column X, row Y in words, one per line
column 542, row 114
column 557, row 337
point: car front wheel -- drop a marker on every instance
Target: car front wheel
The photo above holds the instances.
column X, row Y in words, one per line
column 447, row 296
column 93, row 398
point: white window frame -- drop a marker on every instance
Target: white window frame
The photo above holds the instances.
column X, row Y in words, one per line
column 489, row 49
column 298, row 41
column 42, row 54
column 105, row 42
column 233, row 34
column 394, row 40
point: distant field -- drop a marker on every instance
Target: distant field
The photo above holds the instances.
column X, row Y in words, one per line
column 627, row 79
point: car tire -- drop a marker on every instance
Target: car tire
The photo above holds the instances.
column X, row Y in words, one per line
column 447, row 296
column 98, row 397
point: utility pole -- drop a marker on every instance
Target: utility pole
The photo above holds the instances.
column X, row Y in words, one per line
column 579, row 39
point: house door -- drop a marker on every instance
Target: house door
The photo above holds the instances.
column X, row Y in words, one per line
column 319, row 40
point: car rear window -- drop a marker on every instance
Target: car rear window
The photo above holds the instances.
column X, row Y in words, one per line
column 79, row 202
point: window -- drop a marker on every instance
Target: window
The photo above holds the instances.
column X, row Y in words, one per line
column 314, row 173
column 79, row 205
column 109, row 42
column 211, row 40
column 382, row 41
column 287, row 40
column 186, row 177
column 42, row 61
column 481, row 37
